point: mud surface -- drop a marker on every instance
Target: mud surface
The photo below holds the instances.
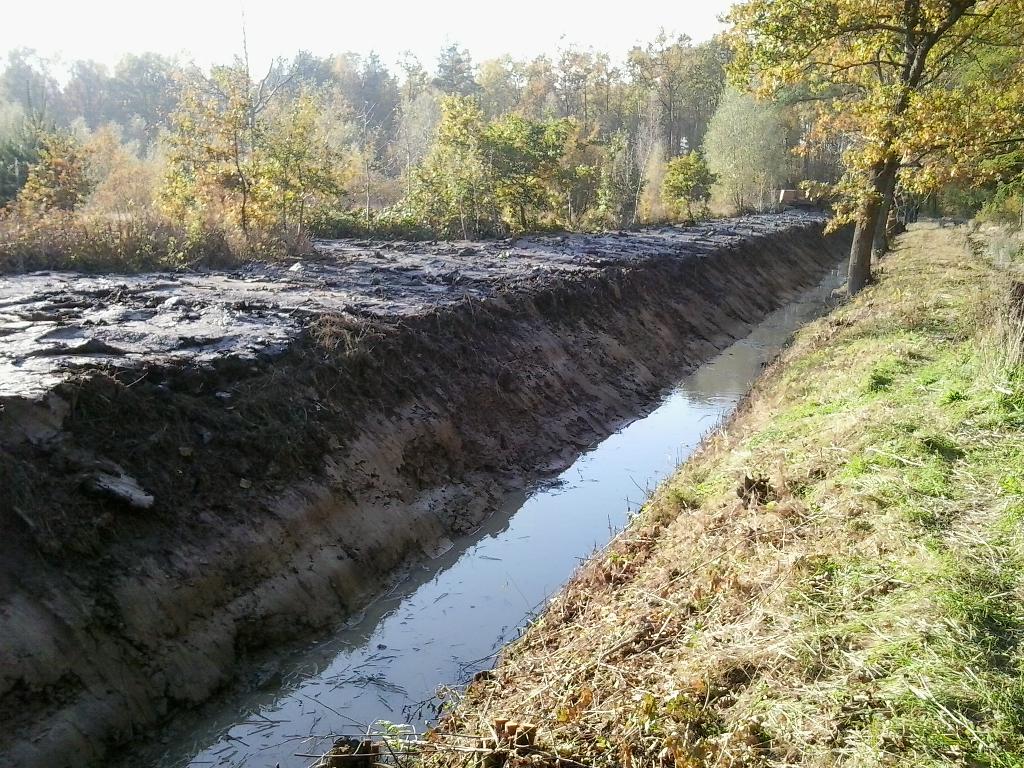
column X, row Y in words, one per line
column 194, row 468
column 55, row 323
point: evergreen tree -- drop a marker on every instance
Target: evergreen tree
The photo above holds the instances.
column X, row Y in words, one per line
column 455, row 72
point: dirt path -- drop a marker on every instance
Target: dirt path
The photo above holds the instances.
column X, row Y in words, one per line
column 197, row 468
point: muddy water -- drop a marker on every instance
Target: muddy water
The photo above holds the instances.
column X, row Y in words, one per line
column 448, row 618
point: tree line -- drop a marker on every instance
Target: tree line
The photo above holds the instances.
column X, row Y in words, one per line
column 233, row 161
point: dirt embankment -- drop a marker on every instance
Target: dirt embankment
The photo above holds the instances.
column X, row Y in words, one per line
column 196, row 467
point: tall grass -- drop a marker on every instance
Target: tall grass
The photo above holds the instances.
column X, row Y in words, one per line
column 72, row 241
column 1001, row 344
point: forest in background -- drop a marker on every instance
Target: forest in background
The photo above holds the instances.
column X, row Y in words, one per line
column 159, row 163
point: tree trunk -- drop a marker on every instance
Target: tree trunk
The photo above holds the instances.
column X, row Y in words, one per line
column 860, row 251
column 245, row 212
column 887, row 188
column 867, row 219
column 367, row 190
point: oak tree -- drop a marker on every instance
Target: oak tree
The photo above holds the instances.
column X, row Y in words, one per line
column 872, row 65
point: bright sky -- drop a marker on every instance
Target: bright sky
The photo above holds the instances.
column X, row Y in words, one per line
column 209, row 31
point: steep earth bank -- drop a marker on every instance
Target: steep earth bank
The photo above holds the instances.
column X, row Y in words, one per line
column 196, row 467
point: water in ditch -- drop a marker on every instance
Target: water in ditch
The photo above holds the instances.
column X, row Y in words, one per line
column 448, row 618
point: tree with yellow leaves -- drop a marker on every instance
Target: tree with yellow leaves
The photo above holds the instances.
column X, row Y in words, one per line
column 876, row 67
column 59, row 179
column 971, row 132
column 238, row 153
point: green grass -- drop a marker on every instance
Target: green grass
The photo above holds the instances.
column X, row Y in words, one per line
column 936, row 625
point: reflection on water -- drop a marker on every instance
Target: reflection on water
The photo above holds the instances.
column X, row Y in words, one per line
column 449, row 617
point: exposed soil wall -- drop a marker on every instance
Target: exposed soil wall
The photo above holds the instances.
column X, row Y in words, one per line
column 163, row 516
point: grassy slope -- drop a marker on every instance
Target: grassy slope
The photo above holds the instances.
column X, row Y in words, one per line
column 863, row 603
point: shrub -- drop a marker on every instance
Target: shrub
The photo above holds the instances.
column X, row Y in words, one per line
column 393, row 223
column 66, row 240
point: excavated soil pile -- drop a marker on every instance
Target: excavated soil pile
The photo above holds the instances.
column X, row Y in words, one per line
column 196, row 467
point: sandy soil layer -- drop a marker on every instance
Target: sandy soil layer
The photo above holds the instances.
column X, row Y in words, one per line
column 196, row 467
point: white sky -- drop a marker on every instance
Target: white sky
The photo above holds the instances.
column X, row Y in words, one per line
column 209, row 31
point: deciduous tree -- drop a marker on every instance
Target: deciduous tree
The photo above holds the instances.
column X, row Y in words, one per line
column 874, row 65
column 301, row 172
column 59, row 179
column 27, row 82
column 688, row 181
column 236, row 153
column 523, row 157
column 453, row 190
column 745, row 148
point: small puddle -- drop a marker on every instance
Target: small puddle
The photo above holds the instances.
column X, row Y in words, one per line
column 449, row 617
